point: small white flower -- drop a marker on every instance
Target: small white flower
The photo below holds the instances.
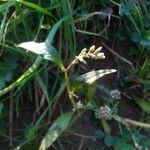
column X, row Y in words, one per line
column 91, row 53
column 92, row 49
column 103, row 112
column 78, row 106
column 101, row 55
column 115, row 94
column 79, row 58
column 97, row 50
column 84, row 51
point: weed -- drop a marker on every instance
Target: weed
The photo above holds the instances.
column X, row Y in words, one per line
column 43, row 86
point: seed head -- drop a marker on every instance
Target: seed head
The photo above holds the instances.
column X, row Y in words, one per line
column 115, row 94
column 91, row 53
column 78, row 106
column 103, row 112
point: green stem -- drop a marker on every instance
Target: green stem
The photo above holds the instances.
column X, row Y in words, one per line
column 68, row 88
column 137, row 123
column 127, row 122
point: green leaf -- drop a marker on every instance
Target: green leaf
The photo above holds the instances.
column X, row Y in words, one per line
column 4, row 6
column 56, row 130
column 146, row 34
column 99, row 134
column 108, row 140
column 146, row 21
column 123, row 9
column 145, row 42
column 136, row 37
column 92, row 76
column 54, row 56
column 1, row 108
column 53, row 31
column 91, row 90
column 45, row 48
column 146, row 84
column 34, row 6
column 127, row 7
column 145, row 105
column 30, row 132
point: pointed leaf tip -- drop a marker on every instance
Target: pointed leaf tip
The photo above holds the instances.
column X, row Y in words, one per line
column 92, row 76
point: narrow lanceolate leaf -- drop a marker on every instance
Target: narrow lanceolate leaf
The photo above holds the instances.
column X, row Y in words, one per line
column 53, row 31
column 34, row 6
column 145, row 105
column 92, row 76
column 56, row 130
column 54, row 55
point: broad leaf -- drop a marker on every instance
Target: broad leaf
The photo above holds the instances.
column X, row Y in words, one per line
column 92, row 76
column 56, row 130
column 38, row 48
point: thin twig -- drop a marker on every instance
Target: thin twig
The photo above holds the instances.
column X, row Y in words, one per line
column 81, row 135
column 117, row 55
column 81, row 144
column 137, row 123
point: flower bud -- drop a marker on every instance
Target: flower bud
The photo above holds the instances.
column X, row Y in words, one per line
column 92, row 49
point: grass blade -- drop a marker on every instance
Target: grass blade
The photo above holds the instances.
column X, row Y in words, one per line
column 34, row 6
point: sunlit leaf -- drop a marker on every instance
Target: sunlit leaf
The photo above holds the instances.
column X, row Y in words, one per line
column 38, row 48
column 56, row 130
column 92, row 76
